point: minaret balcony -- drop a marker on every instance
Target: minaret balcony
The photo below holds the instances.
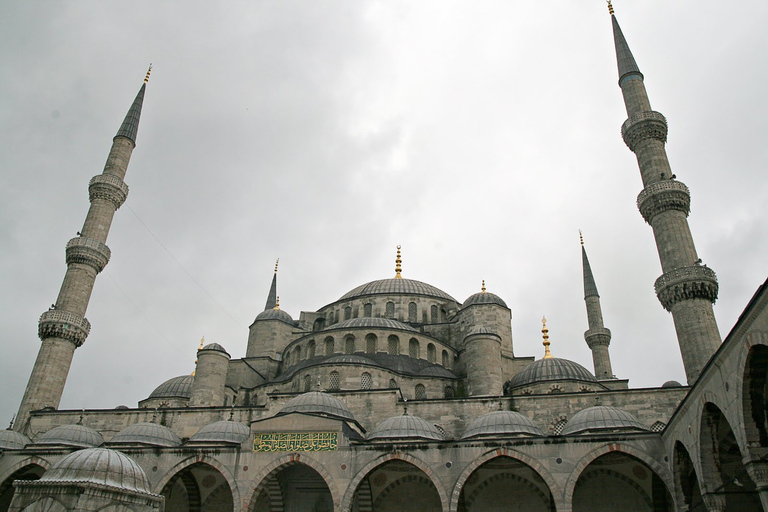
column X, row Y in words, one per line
column 686, row 283
column 644, row 125
column 88, row 251
column 599, row 336
column 108, row 187
column 63, row 324
column 662, row 196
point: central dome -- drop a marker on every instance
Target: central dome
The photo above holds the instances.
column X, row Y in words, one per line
column 394, row 286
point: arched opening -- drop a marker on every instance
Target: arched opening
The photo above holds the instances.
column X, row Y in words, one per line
column 368, row 310
column 347, row 312
column 393, row 345
column 420, row 392
column 329, row 346
column 198, row 488
column 431, row 353
column 319, row 324
column 297, row 355
column 754, row 396
column 446, row 359
column 396, row 486
column 503, row 481
column 721, row 463
column 371, row 344
column 349, row 345
column 307, row 383
column 293, row 488
column 433, row 313
column 366, row 382
column 29, row 472
column 617, row 481
column 412, row 312
column 686, row 482
column 311, row 349
column 413, row 348
column 390, row 310
column 333, row 381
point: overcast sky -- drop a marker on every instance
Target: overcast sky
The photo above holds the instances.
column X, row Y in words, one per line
column 481, row 136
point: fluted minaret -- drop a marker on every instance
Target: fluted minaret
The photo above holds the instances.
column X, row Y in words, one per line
column 598, row 338
column 686, row 288
column 63, row 327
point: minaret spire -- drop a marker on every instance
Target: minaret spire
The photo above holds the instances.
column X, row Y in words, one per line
column 686, row 288
column 598, row 338
column 272, row 297
column 63, row 327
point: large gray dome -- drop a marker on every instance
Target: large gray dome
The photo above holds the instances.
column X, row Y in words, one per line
column 99, row 466
column 223, row 432
column 317, row 402
column 550, row 369
column 11, row 440
column 177, row 387
column 601, row 417
column 501, row 423
column 71, row 435
column 406, row 427
column 372, row 322
column 394, row 286
column 150, row 434
column 484, row 298
column 275, row 314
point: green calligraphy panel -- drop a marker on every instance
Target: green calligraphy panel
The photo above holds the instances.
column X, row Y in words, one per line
column 295, row 441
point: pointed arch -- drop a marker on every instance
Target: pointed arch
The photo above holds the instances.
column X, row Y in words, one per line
column 200, row 459
column 259, row 483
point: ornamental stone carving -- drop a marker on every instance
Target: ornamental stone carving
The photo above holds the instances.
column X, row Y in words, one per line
column 642, row 126
column 663, row 196
column 598, row 337
column 88, row 251
column 108, row 187
column 62, row 324
column 694, row 282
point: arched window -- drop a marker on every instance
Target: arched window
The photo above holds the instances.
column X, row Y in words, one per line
column 392, row 384
column 349, row 345
column 413, row 348
column 311, row 349
column 319, row 324
column 329, row 348
column 390, row 310
column 412, row 312
column 446, row 359
column 431, row 353
column 297, row 354
column 333, row 381
column 371, row 344
column 295, row 385
column 366, row 382
column 448, row 391
column 368, row 310
column 420, row 393
column 433, row 312
column 307, row 383
column 393, row 345
column 330, row 318
column 347, row 312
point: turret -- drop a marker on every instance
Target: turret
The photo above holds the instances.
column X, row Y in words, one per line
column 210, row 377
column 63, row 328
column 598, row 338
column 687, row 288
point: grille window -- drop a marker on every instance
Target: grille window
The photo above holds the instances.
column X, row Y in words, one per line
column 349, row 346
column 431, row 353
column 559, row 426
column 392, row 384
column 368, row 310
column 329, row 346
column 433, row 312
column 420, row 392
column 446, row 359
column 333, row 381
column 393, row 345
column 448, row 391
column 390, row 310
column 412, row 312
column 347, row 312
column 413, row 348
column 365, row 381
column 658, row 426
column 370, row 344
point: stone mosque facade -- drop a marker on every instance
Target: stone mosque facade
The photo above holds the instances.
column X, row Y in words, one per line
column 398, row 397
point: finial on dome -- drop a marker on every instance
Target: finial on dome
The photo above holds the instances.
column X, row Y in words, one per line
column 82, row 413
column 232, row 412
column 610, row 8
column 13, row 418
column 154, row 416
column 146, row 78
column 405, row 406
column 545, row 335
column 483, row 287
column 202, row 341
column 277, row 302
column 581, row 238
column 398, row 265
column 276, row 262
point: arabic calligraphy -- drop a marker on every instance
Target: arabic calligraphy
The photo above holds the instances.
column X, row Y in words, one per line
column 295, row 441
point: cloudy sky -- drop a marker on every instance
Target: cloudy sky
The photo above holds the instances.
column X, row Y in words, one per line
column 479, row 135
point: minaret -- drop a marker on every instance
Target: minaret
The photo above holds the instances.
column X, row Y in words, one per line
column 63, row 327
column 686, row 288
column 597, row 336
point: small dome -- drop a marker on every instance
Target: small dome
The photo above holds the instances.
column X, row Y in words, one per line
column 550, row 369
column 372, row 322
column 216, row 347
column 671, row 384
column 71, row 435
column 275, row 314
column 406, row 427
column 601, row 417
column 99, row 466
column 10, row 440
column 484, row 298
column 223, row 432
column 502, row 423
column 481, row 330
column 316, row 402
column 177, row 387
column 150, row 434
column 348, row 359
column 394, row 286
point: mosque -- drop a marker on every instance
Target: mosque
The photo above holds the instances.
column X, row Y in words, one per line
column 396, row 396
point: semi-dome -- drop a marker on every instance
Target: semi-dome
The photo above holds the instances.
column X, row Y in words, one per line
column 177, row 387
column 406, row 427
column 71, row 435
column 275, row 314
column 12, row 440
column 230, row 432
column 216, row 347
column 99, row 466
column 671, row 384
column 317, row 402
column 550, row 369
column 601, row 417
column 501, row 423
column 484, row 298
column 348, row 359
column 150, row 434
column 394, row 286
column 372, row 323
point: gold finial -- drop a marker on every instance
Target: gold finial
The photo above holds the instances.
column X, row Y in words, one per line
column 610, row 7
column 146, row 78
column 277, row 303
column 545, row 335
column 483, row 287
column 398, row 265
column 202, row 340
column 581, row 238
column 276, row 262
